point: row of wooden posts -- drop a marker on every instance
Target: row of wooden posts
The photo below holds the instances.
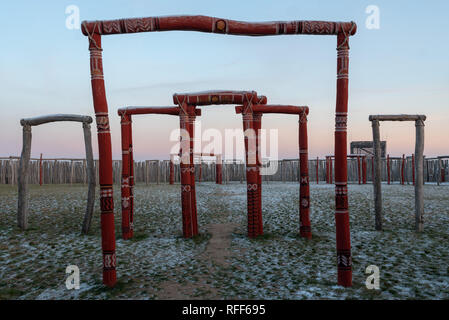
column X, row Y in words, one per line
column 68, row 171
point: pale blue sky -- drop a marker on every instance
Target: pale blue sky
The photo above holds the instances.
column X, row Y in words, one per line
column 403, row 67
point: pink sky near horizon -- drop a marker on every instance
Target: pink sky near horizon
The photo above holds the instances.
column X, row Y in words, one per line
column 391, row 70
column 151, row 136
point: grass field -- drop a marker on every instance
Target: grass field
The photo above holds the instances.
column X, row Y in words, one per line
column 222, row 263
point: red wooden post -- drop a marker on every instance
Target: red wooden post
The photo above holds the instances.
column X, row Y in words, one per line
column 372, row 169
column 40, row 170
column 172, row 170
column 364, row 169
column 413, row 168
column 131, row 179
column 257, row 123
column 194, row 219
column 443, row 171
column 105, row 160
column 251, row 173
column 402, row 168
column 344, row 260
column 126, row 172
column 186, row 198
column 317, row 165
column 358, row 169
column 218, row 170
column 304, row 192
column 388, row 169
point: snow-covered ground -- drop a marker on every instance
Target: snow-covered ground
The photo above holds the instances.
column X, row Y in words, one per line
column 278, row 265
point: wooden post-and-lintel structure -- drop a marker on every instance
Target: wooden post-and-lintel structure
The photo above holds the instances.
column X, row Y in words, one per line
column 418, row 166
column 252, row 132
column 94, row 30
column 22, row 208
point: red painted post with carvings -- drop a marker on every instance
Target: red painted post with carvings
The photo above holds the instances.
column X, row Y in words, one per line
column 126, row 173
column 344, row 259
column 131, row 179
column 186, row 198
column 257, row 124
column 251, row 174
column 105, row 159
column 194, row 220
column 304, row 192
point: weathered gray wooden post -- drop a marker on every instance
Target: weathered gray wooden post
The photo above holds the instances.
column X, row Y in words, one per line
column 90, row 178
column 22, row 212
column 419, row 192
column 419, row 171
column 377, row 175
column 22, row 206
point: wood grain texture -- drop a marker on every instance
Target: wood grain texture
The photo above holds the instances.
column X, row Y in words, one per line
column 153, row 110
column 22, row 210
column 377, row 176
column 419, row 176
column 397, row 117
column 216, row 25
column 275, row 108
column 90, row 178
column 55, row 118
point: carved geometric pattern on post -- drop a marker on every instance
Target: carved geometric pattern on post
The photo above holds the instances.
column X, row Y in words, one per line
column 341, row 198
column 342, row 56
column 304, row 180
column 109, row 260
column 185, row 188
column 305, row 202
column 102, row 122
column 125, row 202
column 344, row 259
column 96, row 65
column 252, row 187
column 106, row 201
column 341, row 120
column 317, row 27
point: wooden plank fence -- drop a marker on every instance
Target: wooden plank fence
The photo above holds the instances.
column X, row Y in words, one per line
column 68, row 171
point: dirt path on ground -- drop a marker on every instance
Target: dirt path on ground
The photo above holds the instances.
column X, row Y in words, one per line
column 217, row 252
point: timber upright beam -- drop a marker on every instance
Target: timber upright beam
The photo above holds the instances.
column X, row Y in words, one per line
column 419, row 165
column 342, row 30
column 419, row 171
column 22, row 212
column 304, row 191
column 377, row 176
column 126, row 114
column 126, row 176
column 248, row 98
